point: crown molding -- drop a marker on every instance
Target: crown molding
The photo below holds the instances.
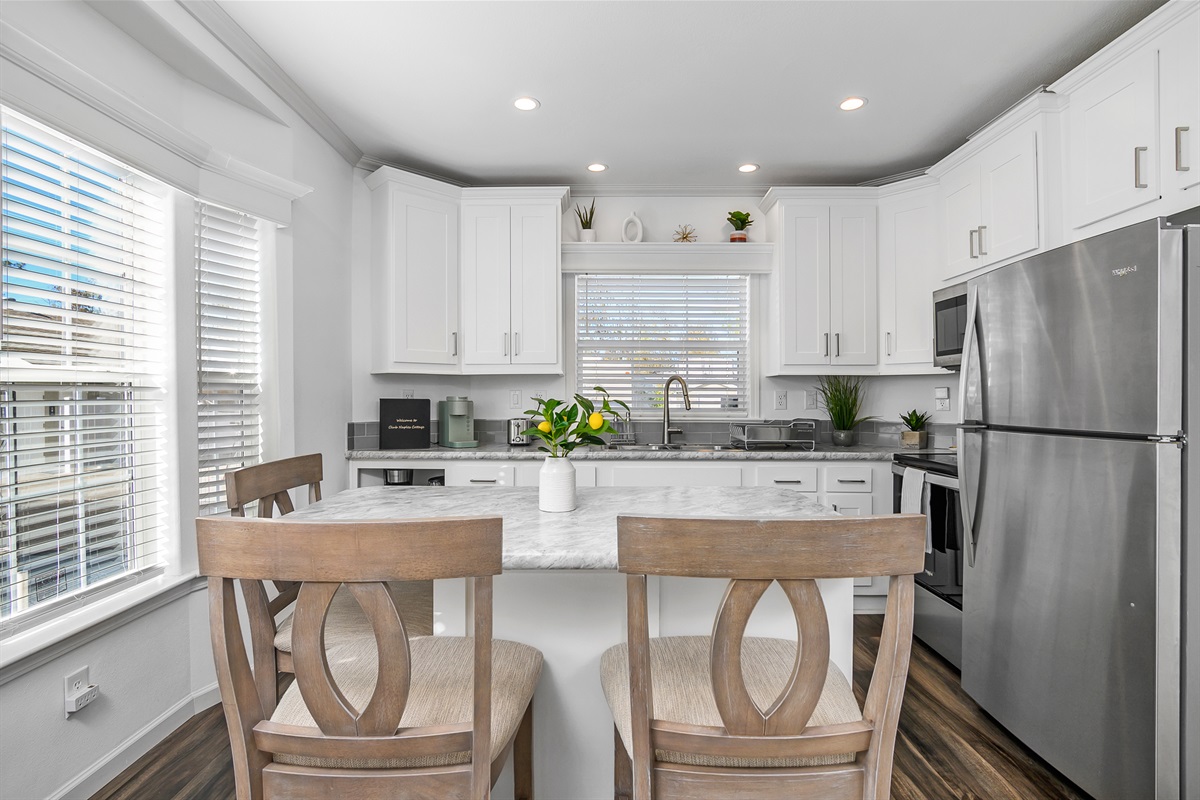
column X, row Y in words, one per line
column 642, row 190
column 492, row 194
column 818, row 194
column 223, row 28
column 897, row 178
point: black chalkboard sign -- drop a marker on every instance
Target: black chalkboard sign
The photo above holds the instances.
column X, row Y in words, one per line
column 403, row 424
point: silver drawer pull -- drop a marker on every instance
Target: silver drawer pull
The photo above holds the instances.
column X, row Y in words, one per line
column 483, row 480
column 851, row 480
column 1179, row 167
column 777, row 480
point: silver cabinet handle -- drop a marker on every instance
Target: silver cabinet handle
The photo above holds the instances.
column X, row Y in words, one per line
column 851, row 480
column 789, row 482
column 889, row 343
column 517, row 343
column 483, row 480
column 454, row 336
column 837, row 345
column 1137, row 168
column 971, row 242
column 834, row 506
column 982, row 228
column 506, row 344
column 1179, row 167
column 827, row 344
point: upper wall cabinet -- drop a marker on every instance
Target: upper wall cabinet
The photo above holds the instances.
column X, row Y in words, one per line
column 824, row 287
column 511, row 294
column 909, row 271
column 414, row 270
column 991, row 198
column 1132, row 143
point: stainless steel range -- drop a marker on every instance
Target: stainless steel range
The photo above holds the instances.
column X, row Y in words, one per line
column 937, row 616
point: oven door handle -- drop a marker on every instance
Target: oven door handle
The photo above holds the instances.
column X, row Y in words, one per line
column 930, row 477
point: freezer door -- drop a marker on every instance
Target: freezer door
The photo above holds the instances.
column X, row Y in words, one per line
column 1070, row 610
column 1086, row 337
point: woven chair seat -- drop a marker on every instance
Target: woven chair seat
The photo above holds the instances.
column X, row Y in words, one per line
column 682, row 690
column 346, row 622
column 441, row 693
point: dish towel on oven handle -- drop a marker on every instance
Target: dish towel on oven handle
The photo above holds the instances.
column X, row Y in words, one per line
column 914, row 499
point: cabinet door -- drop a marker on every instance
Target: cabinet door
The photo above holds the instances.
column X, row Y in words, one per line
column 416, row 268
column 798, row 478
column 1112, row 141
column 908, row 272
column 804, row 285
column 485, row 290
column 961, row 214
column 480, row 474
column 850, row 505
column 661, row 474
column 853, row 285
column 536, row 289
column 1179, row 62
column 1008, row 184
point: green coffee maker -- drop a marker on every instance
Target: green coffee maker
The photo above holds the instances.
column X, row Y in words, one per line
column 456, row 423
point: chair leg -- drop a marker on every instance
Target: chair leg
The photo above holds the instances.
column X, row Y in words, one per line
column 523, row 757
column 622, row 769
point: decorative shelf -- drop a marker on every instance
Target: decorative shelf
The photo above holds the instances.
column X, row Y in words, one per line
column 714, row 257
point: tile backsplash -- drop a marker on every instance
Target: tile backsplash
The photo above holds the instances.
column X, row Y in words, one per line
column 365, row 435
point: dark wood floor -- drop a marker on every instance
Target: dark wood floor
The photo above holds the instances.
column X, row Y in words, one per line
column 947, row 749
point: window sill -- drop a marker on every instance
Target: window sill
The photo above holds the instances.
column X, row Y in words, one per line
column 27, row 651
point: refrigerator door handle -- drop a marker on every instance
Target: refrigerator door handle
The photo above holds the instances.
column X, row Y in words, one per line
column 970, row 463
column 969, row 366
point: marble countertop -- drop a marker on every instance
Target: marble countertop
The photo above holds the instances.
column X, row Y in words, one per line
column 585, row 538
column 504, row 452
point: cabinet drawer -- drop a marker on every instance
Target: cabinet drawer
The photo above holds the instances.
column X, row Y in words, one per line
column 479, row 475
column 802, row 479
column 847, row 479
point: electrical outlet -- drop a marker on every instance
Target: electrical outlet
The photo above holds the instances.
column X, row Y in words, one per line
column 942, row 405
column 78, row 692
column 514, row 398
column 407, row 394
column 780, row 400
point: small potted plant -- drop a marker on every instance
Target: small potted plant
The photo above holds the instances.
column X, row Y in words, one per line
column 842, row 397
column 563, row 427
column 586, row 234
column 740, row 220
column 915, row 436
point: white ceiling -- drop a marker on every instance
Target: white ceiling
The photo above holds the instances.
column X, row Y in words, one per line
column 672, row 93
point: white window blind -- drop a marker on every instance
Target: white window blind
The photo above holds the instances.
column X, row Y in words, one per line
column 229, row 348
column 82, row 434
column 634, row 331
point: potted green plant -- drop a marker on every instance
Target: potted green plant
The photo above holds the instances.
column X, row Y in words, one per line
column 563, row 427
column 842, row 398
column 915, row 436
column 740, row 220
column 586, row 234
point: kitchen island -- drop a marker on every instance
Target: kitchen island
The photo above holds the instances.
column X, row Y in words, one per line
column 561, row 593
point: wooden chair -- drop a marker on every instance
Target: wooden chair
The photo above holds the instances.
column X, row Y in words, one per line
column 269, row 485
column 735, row 716
column 426, row 717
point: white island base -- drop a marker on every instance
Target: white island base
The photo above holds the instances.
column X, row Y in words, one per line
column 560, row 592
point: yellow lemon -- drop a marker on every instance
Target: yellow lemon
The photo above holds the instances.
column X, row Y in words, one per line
column 544, row 426
column 596, row 420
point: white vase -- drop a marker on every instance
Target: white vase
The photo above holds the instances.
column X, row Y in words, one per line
column 556, row 485
column 587, row 235
column 631, row 229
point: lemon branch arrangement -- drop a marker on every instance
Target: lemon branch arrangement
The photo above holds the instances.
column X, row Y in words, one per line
column 565, row 426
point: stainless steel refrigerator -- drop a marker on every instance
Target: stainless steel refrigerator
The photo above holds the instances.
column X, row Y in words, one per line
column 1072, row 471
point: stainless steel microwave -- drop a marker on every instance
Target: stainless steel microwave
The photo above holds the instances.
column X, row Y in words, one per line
column 949, row 325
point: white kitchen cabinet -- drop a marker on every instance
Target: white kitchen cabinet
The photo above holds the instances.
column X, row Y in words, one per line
column 990, row 202
column 1112, row 142
column 480, row 473
column 512, row 314
column 1179, row 107
column 908, row 273
column 674, row 474
column 825, row 283
column 414, row 269
column 801, row 477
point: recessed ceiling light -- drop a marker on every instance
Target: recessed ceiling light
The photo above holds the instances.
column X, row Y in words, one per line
column 526, row 103
column 597, row 167
column 748, row 168
column 852, row 103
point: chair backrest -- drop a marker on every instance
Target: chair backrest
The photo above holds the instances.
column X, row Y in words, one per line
column 269, row 484
column 752, row 554
column 321, row 557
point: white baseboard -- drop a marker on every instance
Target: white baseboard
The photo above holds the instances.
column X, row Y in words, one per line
column 95, row 777
column 870, row 603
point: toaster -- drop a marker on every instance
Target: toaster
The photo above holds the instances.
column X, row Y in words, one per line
column 516, row 431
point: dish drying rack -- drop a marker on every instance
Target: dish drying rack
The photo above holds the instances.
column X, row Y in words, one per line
column 799, row 434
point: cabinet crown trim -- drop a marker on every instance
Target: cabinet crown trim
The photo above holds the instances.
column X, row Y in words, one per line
column 518, row 194
column 818, row 195
column 409, row 180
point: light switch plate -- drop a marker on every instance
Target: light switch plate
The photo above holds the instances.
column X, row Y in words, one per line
column 941, row 393
column 514, row 398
